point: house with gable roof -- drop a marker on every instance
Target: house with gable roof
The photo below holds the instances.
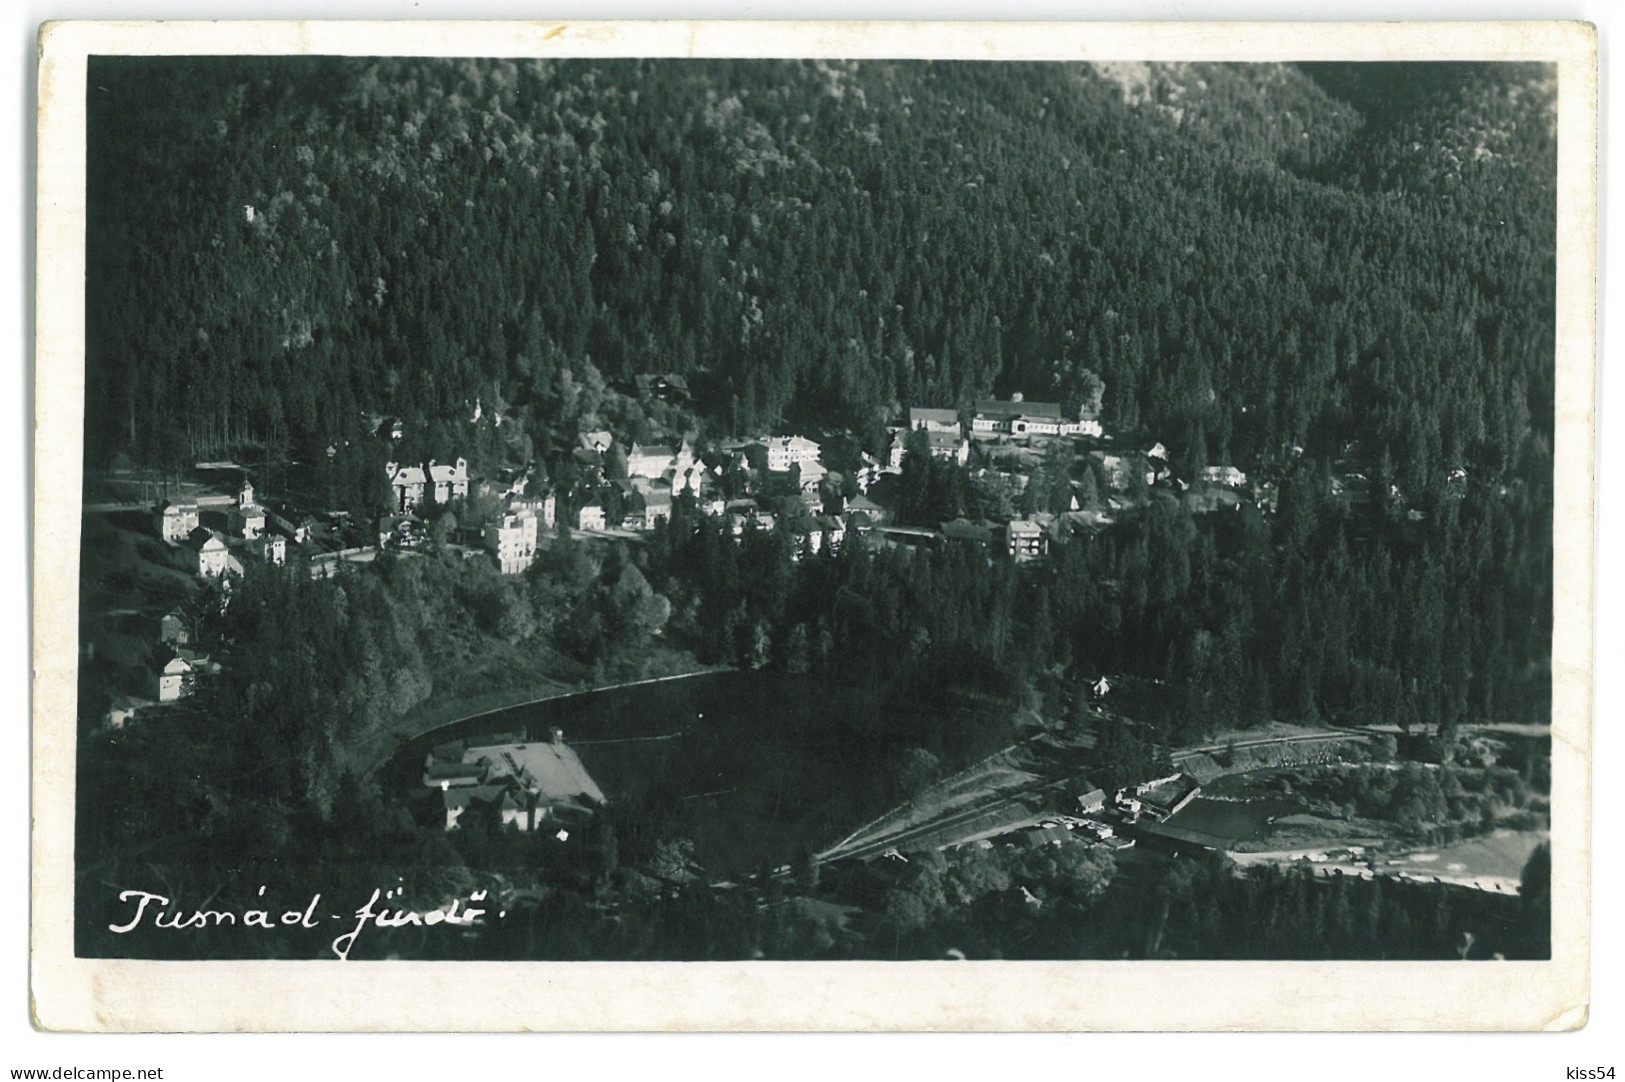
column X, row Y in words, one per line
column 523, row 783
column 409, row 483
column 174, row 678
column 176, row 520
column 448, row 482
column 205, row 554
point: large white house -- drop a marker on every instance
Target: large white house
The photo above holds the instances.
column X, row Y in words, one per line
column 174, row 679
column 1018, row 417
column 1026, row 540
column 512, row 538
column 654, row 461
column 205, row 553
column 176, row 521
column 786, row 451
column 449, row 482
column 408, row 482
column 525, row 784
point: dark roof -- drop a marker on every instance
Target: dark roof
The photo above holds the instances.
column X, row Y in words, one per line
column 657, row 383
column 924, row 413
column 443, row 771
column 200, row 537
column 992, row 407
column 480, row 794
column 961, row 529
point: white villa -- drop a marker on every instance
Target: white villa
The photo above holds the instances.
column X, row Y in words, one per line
column 176, row 521
column 786, row 451
column 205, row 553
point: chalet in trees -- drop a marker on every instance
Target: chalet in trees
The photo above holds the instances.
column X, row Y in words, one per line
column 664, row 386
column 174, row 677
column 525, row 784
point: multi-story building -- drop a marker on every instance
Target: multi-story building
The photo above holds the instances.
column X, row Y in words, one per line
column 512, row 538
column 176, row 521
column 1026, row 540
column 786, row 451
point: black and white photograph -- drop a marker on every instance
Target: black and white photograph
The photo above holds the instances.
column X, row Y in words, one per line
column 763, row 509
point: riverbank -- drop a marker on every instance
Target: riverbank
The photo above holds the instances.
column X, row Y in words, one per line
column 1492, row 863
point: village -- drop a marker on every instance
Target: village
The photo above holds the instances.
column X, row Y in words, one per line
column 212, row 527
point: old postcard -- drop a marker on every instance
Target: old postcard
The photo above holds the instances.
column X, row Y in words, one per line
column 813, row 526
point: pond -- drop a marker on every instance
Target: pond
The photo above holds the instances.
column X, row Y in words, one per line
column 753, row 768
column 1230, row 821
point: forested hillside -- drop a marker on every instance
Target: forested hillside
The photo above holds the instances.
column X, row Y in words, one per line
column 1251, row 257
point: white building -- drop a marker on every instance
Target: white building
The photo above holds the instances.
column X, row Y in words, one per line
column 786, row 451
column 414, row 484
column 1228, row 476
column 176, row 520
column 409, row 483
column 591, row 517
column 812, row 475
column 1018, row 417
column 656, row 506
column 1026, row 540
column 174, row 679
column 512, row 538
column 206, row 554
column 271, row 547
column 895, row 449
column 545, row 508
column 449, row 482
column 659, row 460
